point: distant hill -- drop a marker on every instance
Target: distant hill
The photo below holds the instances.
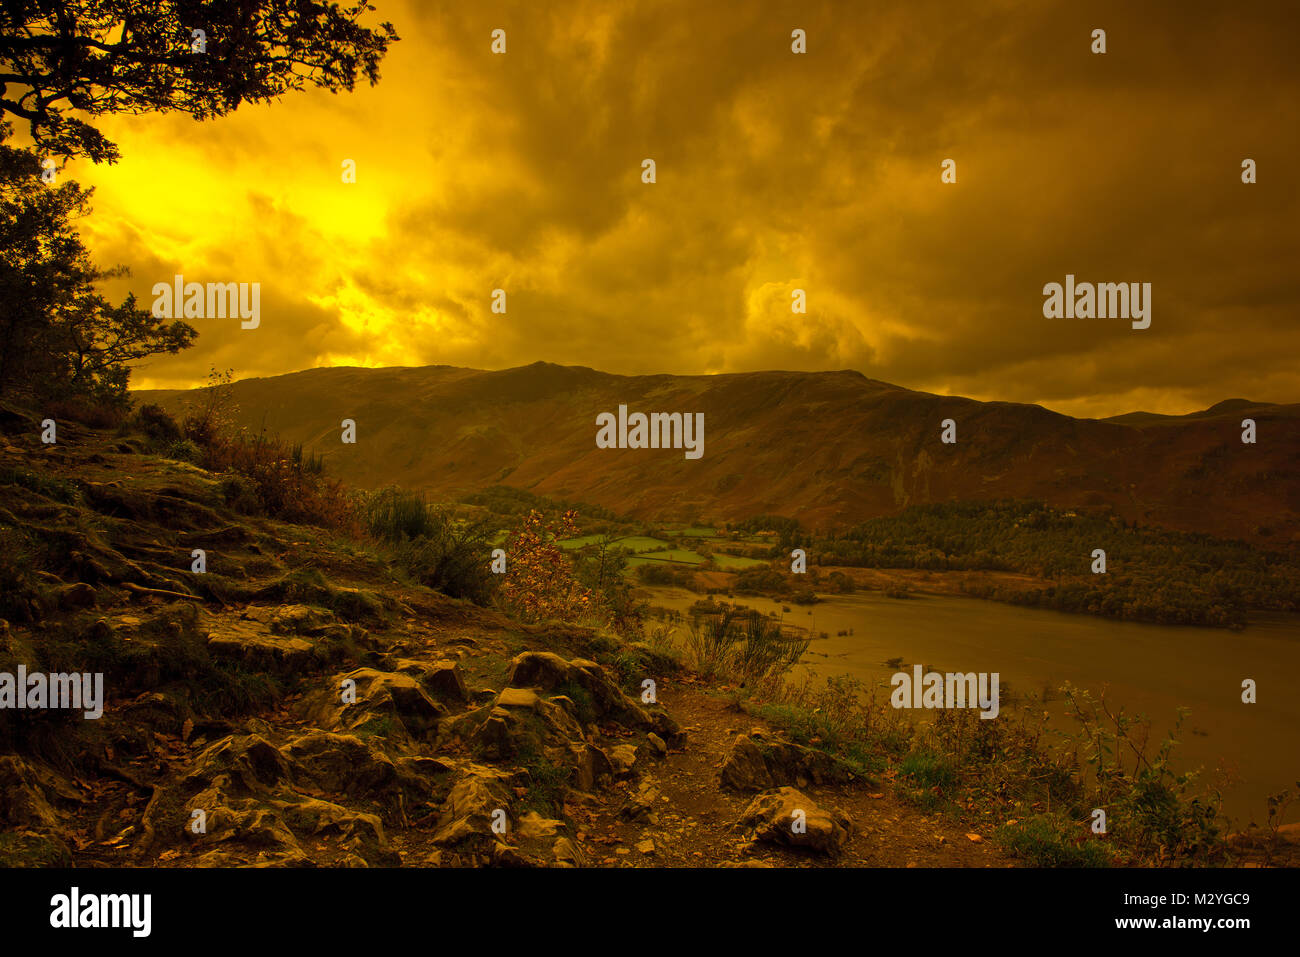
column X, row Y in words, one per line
column 828, row 448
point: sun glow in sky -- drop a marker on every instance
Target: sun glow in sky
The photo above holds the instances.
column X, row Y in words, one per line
column 775, row 171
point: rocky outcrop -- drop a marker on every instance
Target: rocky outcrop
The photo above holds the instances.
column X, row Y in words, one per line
column 443, row 679
column 606, row 701
column 759, row 761
column 481, row 796
column 254, row 811
column 377, row 702
column 266, row 713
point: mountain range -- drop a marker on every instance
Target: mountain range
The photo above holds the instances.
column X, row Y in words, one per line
column 827, row 448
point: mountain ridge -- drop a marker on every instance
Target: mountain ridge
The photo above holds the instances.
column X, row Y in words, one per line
column 830, row 448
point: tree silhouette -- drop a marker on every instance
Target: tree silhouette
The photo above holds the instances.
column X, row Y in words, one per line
column 97, row 57
column 58, row 336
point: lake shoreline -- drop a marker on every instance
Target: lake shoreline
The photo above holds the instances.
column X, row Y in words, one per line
column 1144, row 668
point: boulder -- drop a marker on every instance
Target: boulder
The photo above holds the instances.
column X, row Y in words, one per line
column 467, row 813
column 76, row 595
column 520, row 723
column 641, row 804
column 442, row 679
column 789, row 817
column 245, row 821
column 591, row 767
column 255, row 651
column 758, row 762
column 387, row 703
column 249, row 764
column 622, row 757
column 445, row 681
column 549, row 672
column 31, row 794
column 344, row 764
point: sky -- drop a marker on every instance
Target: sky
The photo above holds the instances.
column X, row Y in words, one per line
column 775, row 171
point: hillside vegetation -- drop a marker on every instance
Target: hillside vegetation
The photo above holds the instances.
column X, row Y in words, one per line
column 311, row 699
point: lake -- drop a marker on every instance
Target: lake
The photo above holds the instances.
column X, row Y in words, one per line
column 1147, row 669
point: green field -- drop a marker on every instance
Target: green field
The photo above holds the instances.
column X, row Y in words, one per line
column 735, row 561
column 683, row 556
column 633, row 543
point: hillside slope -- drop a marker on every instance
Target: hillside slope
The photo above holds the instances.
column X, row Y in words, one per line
column 828, row 448
column 471, row 739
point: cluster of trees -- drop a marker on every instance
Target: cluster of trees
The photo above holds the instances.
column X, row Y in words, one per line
column 788, row 530
column 1152, row 574
column 662, row 573
column 505, row 501
column 764, row 580
column 66, row 63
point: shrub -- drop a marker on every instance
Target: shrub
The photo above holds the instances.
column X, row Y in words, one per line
column 430, row 545
column 930, row 770
column 539, row 580
column 240, row 494
column 395, row 515
column 1051, row 841
column 211, row 414
column 451, row 558
column 17, row 587
column 744, row 645
column 287, row 486
column 86, row 411
column 765, row 651
column 840, row 583
column 183, row 450
column 1159, row 812
column 155, row 423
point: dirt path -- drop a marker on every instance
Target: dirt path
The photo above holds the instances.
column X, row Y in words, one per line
column 696, row 816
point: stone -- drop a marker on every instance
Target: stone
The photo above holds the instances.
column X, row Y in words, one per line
column 532, row 825
column 758, row 762
column 250, row 762
column 395, row 703
column 640, row 806
column 504, row 855
column 567, row 854
column 445, row 681
column 623, row 759
column 547, row 671
column 295, row 619
column 442, row 679
column 31, row 794
column 591, row 767
column 76, row 595
column 518, row 698
column 345, row 764
column 360, row 832
column 771, row 817
column 467, row 812
column 261, row 652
